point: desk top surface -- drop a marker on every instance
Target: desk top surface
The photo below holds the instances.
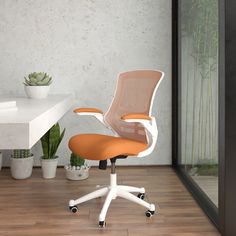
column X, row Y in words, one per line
column 22, row 128
column 29, row 109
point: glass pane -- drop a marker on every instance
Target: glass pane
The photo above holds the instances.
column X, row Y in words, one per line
column 199, row 92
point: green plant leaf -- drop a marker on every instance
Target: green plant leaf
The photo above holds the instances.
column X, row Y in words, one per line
column 45, row 144
column 76, row 160
column 51, row 141
column 38, row 79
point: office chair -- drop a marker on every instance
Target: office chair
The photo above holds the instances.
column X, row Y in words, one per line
column 129, row 116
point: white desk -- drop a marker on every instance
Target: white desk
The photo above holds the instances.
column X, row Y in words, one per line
column 21, row 129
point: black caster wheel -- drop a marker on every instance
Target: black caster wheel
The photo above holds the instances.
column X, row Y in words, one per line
column 149, row 213
column 141, row 195
column 73, row 209
column 102, row 224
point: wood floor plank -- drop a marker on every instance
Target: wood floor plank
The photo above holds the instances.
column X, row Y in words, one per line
column 40, row 207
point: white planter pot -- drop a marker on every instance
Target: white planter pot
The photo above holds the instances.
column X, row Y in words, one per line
column 79, row 174
column 21, row 168
column 49, row 167
column 0, row 160
column 37, row 92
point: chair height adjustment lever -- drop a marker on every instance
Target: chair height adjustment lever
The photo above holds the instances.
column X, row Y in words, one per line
column 103, row 165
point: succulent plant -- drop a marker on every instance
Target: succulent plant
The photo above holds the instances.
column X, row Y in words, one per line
column 76, row 160
column 38, row 79
column 21, row 153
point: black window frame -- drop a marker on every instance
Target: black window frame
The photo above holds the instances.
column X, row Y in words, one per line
column 217, row 215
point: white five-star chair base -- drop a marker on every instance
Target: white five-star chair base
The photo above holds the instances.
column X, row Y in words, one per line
column 112, row 192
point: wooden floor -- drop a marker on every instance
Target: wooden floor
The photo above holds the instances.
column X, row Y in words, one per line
column 39, row 207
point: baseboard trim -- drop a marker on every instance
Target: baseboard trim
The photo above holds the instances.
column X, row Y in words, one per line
column 125, row 166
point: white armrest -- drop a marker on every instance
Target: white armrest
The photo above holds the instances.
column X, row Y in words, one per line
column 149, row 123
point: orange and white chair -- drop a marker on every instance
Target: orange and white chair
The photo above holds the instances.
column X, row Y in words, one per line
column 129, row 116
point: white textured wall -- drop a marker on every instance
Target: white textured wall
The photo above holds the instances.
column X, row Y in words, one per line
column 84, row 44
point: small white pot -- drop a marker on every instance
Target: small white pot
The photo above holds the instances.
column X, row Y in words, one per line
column 21, row 168
column 37, row 92
column 77, row 174
column 49, row 167
column 0, row 160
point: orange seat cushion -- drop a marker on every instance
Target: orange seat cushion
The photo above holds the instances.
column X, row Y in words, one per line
column 102, row 147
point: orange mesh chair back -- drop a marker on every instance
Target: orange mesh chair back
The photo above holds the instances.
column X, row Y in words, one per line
column 134, row 94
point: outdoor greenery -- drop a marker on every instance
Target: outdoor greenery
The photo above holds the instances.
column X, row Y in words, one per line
column 206, row 170
column 199, row 21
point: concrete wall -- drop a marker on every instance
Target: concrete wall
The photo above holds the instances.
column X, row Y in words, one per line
column 84, row 44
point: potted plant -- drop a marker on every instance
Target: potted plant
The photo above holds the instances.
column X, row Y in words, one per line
column 77, row 169
column 50, row 143
column 37, row 85
column 21, row 163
